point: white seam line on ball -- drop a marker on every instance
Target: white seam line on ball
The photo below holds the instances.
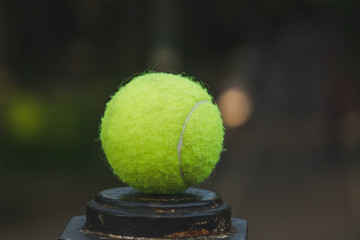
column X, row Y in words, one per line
column 180, row 142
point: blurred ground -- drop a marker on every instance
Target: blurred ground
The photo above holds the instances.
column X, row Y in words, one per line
column 285, row 75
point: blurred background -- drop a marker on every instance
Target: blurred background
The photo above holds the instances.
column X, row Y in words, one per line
column 284, row 73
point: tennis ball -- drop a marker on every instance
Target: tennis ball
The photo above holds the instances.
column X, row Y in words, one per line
column 162, row 133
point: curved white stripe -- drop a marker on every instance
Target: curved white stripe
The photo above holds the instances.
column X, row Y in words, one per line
column 180, row 142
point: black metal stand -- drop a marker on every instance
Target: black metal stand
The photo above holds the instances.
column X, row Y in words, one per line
column 124, row 213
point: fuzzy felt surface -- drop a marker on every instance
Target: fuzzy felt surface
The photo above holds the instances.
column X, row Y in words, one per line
column 141, row 129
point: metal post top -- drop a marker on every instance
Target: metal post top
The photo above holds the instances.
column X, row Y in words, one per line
column 124, row 213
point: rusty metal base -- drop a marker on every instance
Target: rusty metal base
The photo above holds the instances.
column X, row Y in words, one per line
column 74, row 231
column 124, row 213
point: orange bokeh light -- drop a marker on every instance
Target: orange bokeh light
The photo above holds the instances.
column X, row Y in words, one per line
column 235, row 107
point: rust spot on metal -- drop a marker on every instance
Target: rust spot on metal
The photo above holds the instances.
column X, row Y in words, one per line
column 162, row 199
column 101, row 218
column 163, row 210
column 201, row 223
column 215, row 205
column 190, row 233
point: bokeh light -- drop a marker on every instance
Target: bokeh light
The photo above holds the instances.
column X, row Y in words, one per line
column 235, row 107
column 25, row 118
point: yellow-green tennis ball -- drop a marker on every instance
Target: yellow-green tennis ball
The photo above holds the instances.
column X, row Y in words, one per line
column 162, row 133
